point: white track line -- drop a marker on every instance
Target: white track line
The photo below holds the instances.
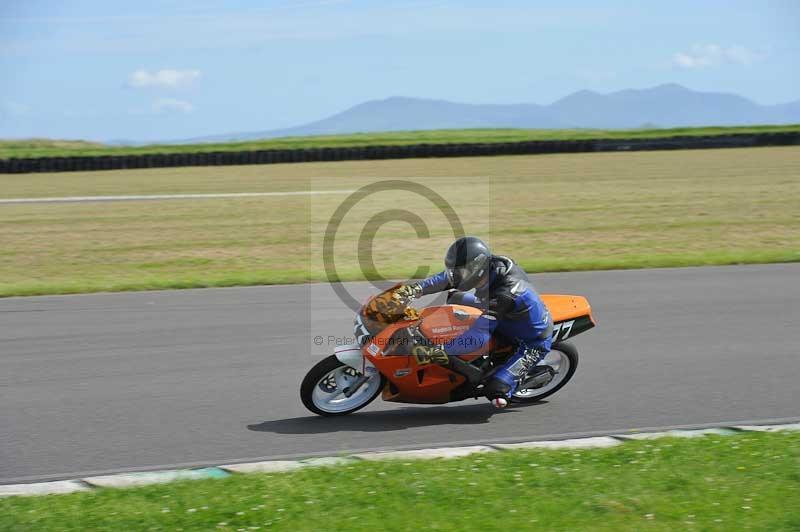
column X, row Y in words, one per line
column 123, row 480
column 80, row 199
column 795, row 421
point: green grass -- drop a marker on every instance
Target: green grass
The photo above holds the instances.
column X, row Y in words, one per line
column 271, row 277
column 551, row 213
column 64, row 148
column 747, row 481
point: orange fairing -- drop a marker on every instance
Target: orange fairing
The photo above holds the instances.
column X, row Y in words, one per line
column 421, row 382
column 414, row 381
column 567, row 307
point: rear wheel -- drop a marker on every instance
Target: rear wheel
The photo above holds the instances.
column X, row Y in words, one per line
column 563, row 361
column 324, row 388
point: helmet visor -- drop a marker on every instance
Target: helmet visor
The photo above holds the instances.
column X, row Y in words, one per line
column 457, row 275
column 463, row 278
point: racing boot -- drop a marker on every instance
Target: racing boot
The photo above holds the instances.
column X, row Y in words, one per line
column 505, row 380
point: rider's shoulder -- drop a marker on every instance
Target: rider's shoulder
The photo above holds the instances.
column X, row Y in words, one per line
column 505, row 267
column 501, row 265
column 509, row 277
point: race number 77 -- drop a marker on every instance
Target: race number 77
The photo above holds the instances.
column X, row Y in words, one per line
column 562, row 329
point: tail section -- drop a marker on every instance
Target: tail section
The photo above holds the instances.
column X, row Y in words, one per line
column 571, row 315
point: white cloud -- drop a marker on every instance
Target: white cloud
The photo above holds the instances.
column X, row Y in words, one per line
column 169, row 105
column 708, row 55
column 165, row 78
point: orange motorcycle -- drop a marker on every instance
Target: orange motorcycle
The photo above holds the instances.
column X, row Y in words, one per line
column 385, row 357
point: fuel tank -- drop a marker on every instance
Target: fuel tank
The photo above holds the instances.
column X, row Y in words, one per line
column 442, row 324
column 571, row 315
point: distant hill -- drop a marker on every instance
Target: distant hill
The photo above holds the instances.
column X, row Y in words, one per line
column 667, row 105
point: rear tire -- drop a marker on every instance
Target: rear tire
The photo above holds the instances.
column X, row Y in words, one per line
column 322, row 388
column 568, row 355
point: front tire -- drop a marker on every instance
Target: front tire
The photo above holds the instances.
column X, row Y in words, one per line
column 563, row 358
column 322, row 390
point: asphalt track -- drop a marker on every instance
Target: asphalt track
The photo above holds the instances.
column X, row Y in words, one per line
column 134, row 381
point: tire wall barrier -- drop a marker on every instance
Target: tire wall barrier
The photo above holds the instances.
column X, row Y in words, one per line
column 358, row 153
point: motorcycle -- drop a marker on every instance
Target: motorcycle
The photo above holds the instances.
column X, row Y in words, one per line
column 385, row 357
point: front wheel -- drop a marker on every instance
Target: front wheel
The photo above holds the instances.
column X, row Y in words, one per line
column 323, row 389
column 563, row 361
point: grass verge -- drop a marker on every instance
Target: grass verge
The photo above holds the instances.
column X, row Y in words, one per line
column 66, row 148
column 550, row 213
column 269, row 277
column 747, row 481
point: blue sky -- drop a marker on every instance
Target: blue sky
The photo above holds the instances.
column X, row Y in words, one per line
column 150, row 70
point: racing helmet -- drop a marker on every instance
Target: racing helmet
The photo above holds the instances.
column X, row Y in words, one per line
column 467, row 263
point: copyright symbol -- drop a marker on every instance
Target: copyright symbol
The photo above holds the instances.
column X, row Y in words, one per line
column 374, row 223
column 318, row 340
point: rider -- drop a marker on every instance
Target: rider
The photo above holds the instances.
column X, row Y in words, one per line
column 511, row 309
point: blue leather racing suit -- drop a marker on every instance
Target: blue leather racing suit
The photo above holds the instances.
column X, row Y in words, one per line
column 511, row 309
